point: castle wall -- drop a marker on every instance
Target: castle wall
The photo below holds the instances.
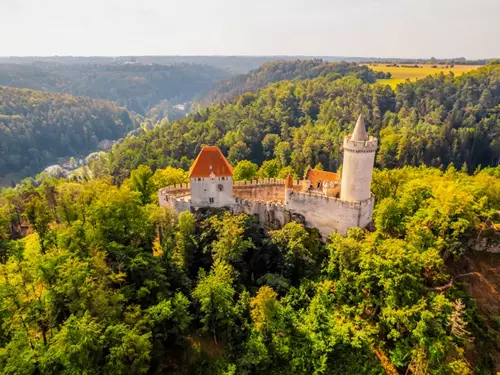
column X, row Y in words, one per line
column 271, row 190
column 179, row 204
column 329, row 214
column 271, row 216
column 212, row 191
column 366, row 212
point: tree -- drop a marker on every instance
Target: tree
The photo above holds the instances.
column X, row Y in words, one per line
column 270, row 169
column 245, row 170
column 39, row 216
column 265, row 309
column 283, row 152
column 140, row 181
column 169, row 176
column 292, row 242
column 269, row 144
column 239, row 151
column 230, row 245
column 215, row 295
column 185, row 240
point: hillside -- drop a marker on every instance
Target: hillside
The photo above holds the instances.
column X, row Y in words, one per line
column 435, row 121
column 282, row 70
column 96, row 278
column 38, row 127
column 138, row 87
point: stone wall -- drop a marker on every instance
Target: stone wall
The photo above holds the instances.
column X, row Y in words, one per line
column 266, row 190
column 329, row 214
column 176, row 190
column 177, row 203
column 212, row 191
column 271, row 216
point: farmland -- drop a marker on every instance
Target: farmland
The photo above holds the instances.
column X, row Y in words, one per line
column 401, row 73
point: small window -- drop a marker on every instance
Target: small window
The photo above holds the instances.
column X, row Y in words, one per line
column 223, row 178
column 199, row 178
column 211, row 200
column 220, row 187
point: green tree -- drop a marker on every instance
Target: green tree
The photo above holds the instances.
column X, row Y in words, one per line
column 215, row 294
column 292, row 242
column 238, row 152
column 245, row 170
column 39, row 216
column 270, row 169
column 141, row 181
column 230, row 244
column 185, row 240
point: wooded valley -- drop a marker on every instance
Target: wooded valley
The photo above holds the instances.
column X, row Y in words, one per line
column 96, row 278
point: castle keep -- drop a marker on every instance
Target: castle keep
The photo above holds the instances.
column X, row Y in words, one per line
column 323, row 200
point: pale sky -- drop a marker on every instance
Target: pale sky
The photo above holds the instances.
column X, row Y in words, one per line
column 361, row 28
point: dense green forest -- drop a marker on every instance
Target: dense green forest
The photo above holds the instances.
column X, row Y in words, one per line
column 38, row 127
column 97, row 279
column 139, row 87
column 43, row 127
column 282, row 70
column 435, row 121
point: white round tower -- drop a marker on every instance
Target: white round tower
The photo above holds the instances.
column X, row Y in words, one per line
column 357, row 168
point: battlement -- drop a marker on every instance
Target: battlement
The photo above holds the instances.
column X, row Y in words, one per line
column 360, row 146
column 266, row 181
column 305, row 198
column 176, row 188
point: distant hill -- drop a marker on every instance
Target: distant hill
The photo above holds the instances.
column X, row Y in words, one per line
column 281, row 70
column 139, row 87
column 232, row 64
column 37, row 128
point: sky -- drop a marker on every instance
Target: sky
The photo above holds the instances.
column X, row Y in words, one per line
column 360, row 28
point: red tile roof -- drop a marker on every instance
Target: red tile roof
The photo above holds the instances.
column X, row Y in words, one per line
column 315, row 176
column 210, row 160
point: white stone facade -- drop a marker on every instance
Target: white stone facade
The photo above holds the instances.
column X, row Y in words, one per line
column 212, row 191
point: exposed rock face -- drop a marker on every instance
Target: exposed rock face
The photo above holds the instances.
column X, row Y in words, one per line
column 485, row 244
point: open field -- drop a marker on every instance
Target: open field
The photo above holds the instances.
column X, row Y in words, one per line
column 402, row 73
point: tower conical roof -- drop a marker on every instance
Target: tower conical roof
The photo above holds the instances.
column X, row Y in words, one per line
column 359, row 132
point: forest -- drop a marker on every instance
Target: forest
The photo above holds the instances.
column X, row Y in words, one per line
column 434, row 121
column 282, row 70
column 139, row 87
column 38, row 127
column 96, row 278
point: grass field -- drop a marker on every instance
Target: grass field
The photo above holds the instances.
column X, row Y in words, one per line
column 401, row 74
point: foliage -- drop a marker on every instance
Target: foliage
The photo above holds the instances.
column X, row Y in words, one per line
column 139, row 87
column 37, row 127
column 105, row 281
column 245, row 170
column 96, row 278
column 282, row 70
column 434, row 121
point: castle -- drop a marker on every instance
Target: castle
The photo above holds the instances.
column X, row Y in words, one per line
column 322, row 200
